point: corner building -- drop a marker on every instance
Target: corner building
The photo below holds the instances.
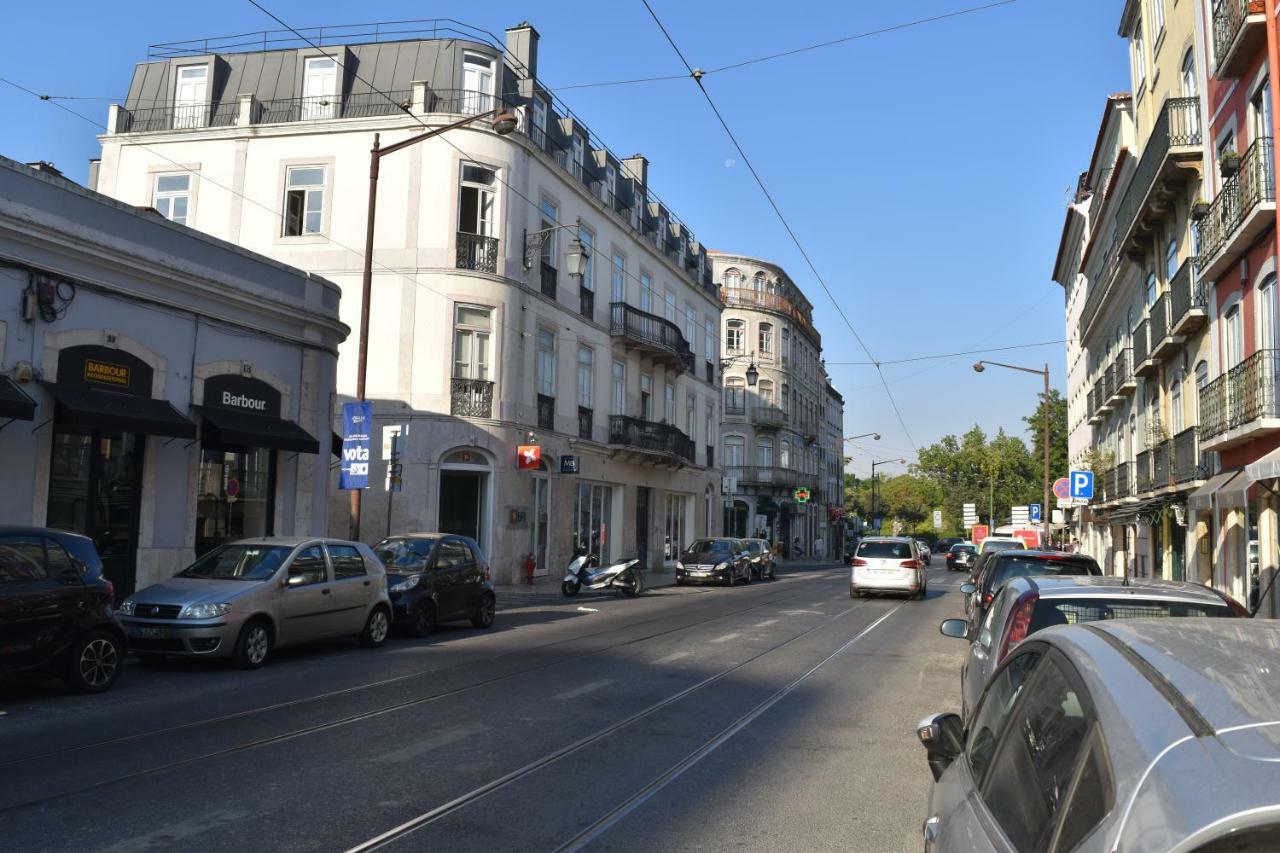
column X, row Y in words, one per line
column 481, row 340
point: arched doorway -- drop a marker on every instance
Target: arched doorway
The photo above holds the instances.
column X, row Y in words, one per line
column 465, row 477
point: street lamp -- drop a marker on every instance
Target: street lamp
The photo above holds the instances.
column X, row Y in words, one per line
column 980, row 366
column 875, row 463
column 874, row 435
column 504, row 121
column 753, row 374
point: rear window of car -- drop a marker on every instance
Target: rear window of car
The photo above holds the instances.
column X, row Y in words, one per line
column 1023, row 567
column 755, row 547
column 964, row 549
column 1074, row 611
column 885, row 550
column 1003, row 544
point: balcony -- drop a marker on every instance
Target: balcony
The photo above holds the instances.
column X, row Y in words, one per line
column 1239, row 30
column 765, row 476
column 656, row 337
column 1122, row 381
column 1162, row 465
column 1141, row 349
column 1187, row 303
column 1242, row 404
column 1244, row 209
column 1163, row 344
column 471, row 398
column 1124, row 481
column 546, row 412
column 587, row 303
column 1142, row 475
column 1105, row 486
column 477, row 252
column 586, row 417
column 1190, row 465
column 746, row 297
column 1171, row 157
column 1096, row 412
column 769, row 417
column 547, row 276
column 646, row 441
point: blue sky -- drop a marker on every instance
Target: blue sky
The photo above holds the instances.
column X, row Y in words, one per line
column 926, row 171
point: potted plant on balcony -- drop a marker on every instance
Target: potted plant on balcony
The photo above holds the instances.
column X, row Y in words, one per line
column 1199, row 209
column 1229, row 163
column 1257, row 7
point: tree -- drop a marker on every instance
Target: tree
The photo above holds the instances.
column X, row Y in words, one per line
column 1059, row 464
column 993, row 474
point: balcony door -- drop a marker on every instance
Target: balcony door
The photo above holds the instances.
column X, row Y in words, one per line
column 191, row 96
column 1233, row 337
column 320, row 88
column 477, row 84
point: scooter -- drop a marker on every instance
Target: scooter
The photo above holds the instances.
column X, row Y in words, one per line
column 585, row 573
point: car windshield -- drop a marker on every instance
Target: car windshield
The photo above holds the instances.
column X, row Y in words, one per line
column 405, row 554
column 885, row 550
column 754, row 547
column 1022, row 567
column 238, row 562
column 1073, row 611
column 710, row 547
column 963, row 549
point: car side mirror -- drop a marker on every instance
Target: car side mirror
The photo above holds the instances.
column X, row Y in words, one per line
column 295, row 580
column 957, row 629
column 968, row 588
column 942, row 736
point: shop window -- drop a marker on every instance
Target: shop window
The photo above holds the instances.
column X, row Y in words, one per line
column 674, row 527
column 304, row 201
column 593, row 508
column 235, row 496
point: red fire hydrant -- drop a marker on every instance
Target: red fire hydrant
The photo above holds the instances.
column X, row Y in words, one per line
column 530, row 565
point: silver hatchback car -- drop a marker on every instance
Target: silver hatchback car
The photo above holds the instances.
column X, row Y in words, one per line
column 1134, row 735
column 243, row 599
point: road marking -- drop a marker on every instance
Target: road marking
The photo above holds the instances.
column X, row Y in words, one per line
column 727, row 637
column 603, row 825
column 588, row 610
column 421, row 746
column 800, row 612
column 170, row 834
column 671, row 658
column 589, row 687
column 766, row 623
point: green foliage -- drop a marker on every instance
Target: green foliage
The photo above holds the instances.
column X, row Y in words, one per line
column 998, row 473
column 1058, row 463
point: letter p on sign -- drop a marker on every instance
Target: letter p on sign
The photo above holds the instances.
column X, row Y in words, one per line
column 1082, row 485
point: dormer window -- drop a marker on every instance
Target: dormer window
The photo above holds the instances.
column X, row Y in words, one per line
column 191, row 97
column 477, row 83
column 319, row 88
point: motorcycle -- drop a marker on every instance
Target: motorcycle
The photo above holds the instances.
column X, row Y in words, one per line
column 585, row 573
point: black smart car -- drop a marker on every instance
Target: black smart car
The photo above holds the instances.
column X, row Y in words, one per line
column 56, row 609
column 434, row 578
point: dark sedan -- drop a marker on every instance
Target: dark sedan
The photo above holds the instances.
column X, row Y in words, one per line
column 960, row 558
column 437, row 577
column 721, row 560
column 1002, row 566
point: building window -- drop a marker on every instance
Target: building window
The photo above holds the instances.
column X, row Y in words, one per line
column 766, row 340
column 734, row 333
column 646, row 292
column 691, row 328
column 619, row 400
column 1152, row 288
column 588, row 241
column 1139, row 56
column 224, row 515
column 304, row 201
column 669, row 306
column 319, row 88
column 764, row 453
column 471, row 330
column 1157, row 18
column 1268, row 315
column 546, row 363
column 735, row 396
column 732, row 278
column 191, row 96
column 618, row 278
column 1202, row 379
column 586, row 377
column 1175, row 404
column 675, row 536
column 784, row 458
column 611, row 183
column 711, row 428
column 172, row 196
column 709, row 340
column 550, row 216
column 669, row 399
column 477, row 245
column 579, row 156
column 765, row 390
column 759, row 282
column 690, row 414
column 1171, row 259
column 1233, row 339
column 646, row 396
column 477, row 84
column 734, row 451
column 592, row 513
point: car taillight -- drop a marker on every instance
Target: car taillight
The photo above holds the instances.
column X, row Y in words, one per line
column 857, row 561
column 111, row 591
column 1019, row 624
column 486, row 572
column 910, row 564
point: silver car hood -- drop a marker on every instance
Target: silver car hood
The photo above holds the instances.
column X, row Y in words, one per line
column 178, row 590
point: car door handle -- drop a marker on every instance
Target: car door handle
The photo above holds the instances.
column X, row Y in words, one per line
column 325, row 591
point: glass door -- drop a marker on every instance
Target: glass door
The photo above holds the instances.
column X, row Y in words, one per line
column 538, row 535
column 320, row 88
column 477, row 84
column 191, row 96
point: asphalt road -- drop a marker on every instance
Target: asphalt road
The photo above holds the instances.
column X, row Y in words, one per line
column 775, row 716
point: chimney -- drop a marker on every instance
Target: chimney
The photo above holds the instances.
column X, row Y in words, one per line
column 638, row 168
column 47, row 168
column 522, row 53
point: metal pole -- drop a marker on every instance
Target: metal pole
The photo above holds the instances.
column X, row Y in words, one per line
column 1044, row 507
column 873, row 493
column 366, row 292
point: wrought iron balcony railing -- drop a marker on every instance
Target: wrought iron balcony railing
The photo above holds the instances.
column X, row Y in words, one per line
column 1142, row 476
column 326, row 107
column 477, row 252
column 770, row 416
column 1252, row 185
column 178, row 117
column 1230, row 20
column 586, row 417
column 747, row 297
column 471, row 398
column 1112, row 483
column 587, row 303
column 1141, row 344
column 1158, row 321
column 1244, row 394
column 546, row 412
column 1121, row 369
column 765, row 475
column 1186, row 294
column 1162, row 465
column 1189, row 463
column 547, row 275
column 1124, row 481
column 1177, row 126
column 654, row 333
column 662, row 439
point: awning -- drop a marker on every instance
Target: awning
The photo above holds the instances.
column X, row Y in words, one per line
column 227, row 427
column 1202, row 498
column 1129, row 512
column 336, row 446
column 1266, row 468
column 14, row 402
column 92, row 409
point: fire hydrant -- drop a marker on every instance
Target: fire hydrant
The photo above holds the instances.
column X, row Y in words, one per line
column 530, row 565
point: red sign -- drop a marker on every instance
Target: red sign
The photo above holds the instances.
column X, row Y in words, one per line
column 1030, row 538
column 528, row 456
column 980, row 532
column 1061, row 489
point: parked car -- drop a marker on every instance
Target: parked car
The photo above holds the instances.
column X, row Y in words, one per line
column 1138, row 735
column 1003, row 566
column 1029, row 604
column 721, row 559
column 762, row 565
column 926, row 551
column 55, row 609
column 888, row 564
column 245, row 599
column 434, row 578
column 961, row 557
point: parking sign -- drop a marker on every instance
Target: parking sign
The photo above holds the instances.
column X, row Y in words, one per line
column 1082, row 485
column 1035, row 511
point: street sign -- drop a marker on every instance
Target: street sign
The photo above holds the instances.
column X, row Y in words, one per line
column 1035, row 512
column 937, row 519
column 1021, row 515
column 1062, row 488
column 1057, row 517
column 568, row 464
column 801, row 495
column 1082, row 485
column 980, row 532
column 728, row 485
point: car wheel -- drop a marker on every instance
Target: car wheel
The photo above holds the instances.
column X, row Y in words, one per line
column 483, row 617
column 94, row 663
column 376, row 628
column 422, row 619
column 253, row 646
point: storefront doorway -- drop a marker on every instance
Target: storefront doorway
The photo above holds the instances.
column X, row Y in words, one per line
column 735, row 519
column 464, row 495
column 643, row 519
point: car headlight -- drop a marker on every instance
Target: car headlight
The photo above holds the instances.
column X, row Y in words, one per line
column 679, row 566
column 126, row 607
column 203, row 611
column 721, row 567
column 407, row 584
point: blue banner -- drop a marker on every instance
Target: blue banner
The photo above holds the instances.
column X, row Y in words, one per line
column 357, row 426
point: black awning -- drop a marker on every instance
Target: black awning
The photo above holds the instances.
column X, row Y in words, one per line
column 89, row 408
column 14, row 402
column 229, row 428
column 337, row 446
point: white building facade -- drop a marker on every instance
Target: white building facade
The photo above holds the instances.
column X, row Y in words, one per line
column 480, row 341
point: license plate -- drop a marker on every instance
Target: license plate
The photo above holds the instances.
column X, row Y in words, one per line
column 147, row 633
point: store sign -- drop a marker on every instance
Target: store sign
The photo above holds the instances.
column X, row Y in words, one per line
column 357, row 423
column 568, row 464
column 241, row 394
column 105, row 369
column 528, row 457
column 801, row 495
